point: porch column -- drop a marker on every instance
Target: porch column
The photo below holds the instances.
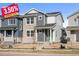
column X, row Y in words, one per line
column 36, row 35
column 44, row 35
column 50, row 35
column 4, row 33
column 12, row 33
column 12, row 36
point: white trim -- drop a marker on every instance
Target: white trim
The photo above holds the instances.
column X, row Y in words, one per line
column 44, row 35
column 33, row 9
column 30, row 32
column 12, row 19
column 4, row 33
column 50, row 36
column 30, row 21
column 12, row 33
column 36, row 36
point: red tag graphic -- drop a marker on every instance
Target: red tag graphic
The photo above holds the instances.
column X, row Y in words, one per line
column 10, row 11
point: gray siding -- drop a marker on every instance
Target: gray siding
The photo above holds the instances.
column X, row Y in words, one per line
column 18, row 33
column 73, row 20
column 40, row 36
column 42, row 21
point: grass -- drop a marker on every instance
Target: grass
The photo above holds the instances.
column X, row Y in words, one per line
column 44, row 51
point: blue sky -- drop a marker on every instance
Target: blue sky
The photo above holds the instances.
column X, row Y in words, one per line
column 65, row 8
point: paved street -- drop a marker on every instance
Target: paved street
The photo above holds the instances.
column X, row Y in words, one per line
column 31, row 54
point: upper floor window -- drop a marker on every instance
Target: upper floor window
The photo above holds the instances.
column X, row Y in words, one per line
column 30, row 20
column 11, row 21
column 40, row 17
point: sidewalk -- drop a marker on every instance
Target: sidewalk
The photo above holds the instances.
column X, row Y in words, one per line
column 14, row 52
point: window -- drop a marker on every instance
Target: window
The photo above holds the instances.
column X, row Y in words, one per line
column 40, row 17
column 75, row 19
column 72, row 31
column 11, row 21
column 30, row 33
column 30, row 20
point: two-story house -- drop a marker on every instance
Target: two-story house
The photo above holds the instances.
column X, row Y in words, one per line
column 32, row 27
column 42, row 27
column 11, row 29
column 73, row 27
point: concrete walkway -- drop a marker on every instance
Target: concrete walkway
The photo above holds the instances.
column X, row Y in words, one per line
column 10, row 52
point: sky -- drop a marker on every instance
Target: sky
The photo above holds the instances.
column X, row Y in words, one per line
column 65, row 8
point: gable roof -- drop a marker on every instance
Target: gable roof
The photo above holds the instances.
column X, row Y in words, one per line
column 33, row 11
column 73, row 14
column 53, row 13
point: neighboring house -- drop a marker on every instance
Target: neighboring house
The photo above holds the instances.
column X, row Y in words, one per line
column 39, row 27
column 73, row 27
column 11, row 29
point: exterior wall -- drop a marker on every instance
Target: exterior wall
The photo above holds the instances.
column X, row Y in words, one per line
column 25, row 28
column 71, row 21
column 59, row 21
column 57, row 33
column 51, row 20
column 40, row 22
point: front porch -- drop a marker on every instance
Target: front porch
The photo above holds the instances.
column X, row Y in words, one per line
column 9, row 35
column 45, row 33
column 73, row 33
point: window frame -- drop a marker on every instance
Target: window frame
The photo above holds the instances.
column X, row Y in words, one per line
column 31, row 33
column 9, row 21
column 30, row 20
column 72, row 31
column 28, row 34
